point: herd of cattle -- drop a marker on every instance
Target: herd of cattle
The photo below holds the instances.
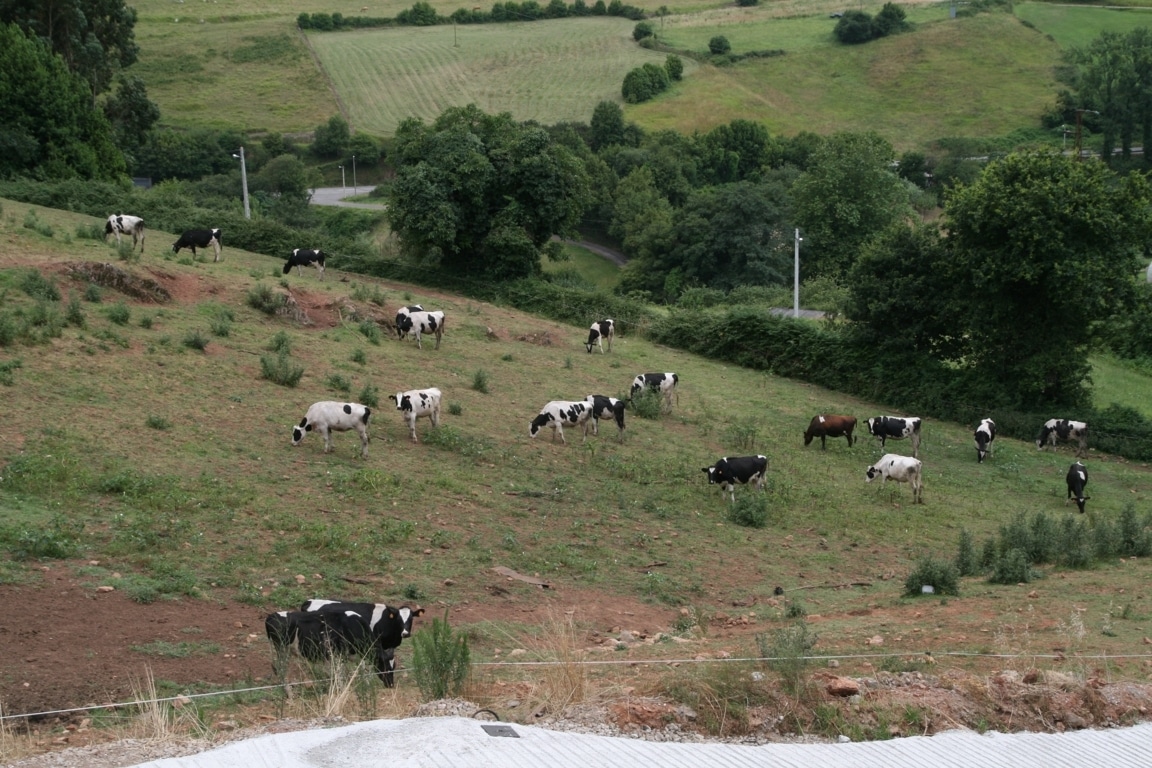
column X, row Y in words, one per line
column 325, row 628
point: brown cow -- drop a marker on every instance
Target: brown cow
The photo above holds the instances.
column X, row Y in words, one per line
column 830, row 425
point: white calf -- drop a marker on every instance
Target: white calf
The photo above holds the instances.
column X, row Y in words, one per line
column 122, row 224
column 902, row 469
column 328, row 416
column 416, row 403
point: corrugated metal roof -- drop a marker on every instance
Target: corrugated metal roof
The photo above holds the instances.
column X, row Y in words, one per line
column 454, row 742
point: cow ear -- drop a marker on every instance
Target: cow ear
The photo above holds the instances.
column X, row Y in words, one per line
column 418, row 612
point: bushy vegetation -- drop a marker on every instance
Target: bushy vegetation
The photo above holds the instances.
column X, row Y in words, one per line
column 440, row 660
column 857, row 26
column 421, row 14
column 942, row 576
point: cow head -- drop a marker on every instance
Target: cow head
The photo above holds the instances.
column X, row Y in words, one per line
column 618, row 407
column 873, row 472
column 300, row 430
column 538, row 423
column 403, row 325
column 403, row 401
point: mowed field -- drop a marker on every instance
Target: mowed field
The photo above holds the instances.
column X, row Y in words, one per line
column 171, row 467
column 550, row 71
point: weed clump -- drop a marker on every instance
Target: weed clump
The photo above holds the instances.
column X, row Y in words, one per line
column 280, row 370
column 786, row 652
column 750, row 511
column 263, row 299
column 39, row 287
column 118, row 313
column 440, row 660
column 942, row 576
column 647, row 404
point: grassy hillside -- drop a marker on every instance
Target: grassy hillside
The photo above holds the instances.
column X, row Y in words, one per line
column 176, row 463
column 1072, row 25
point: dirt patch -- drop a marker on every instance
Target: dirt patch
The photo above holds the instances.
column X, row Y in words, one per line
column 539, row 338
column 109, row 276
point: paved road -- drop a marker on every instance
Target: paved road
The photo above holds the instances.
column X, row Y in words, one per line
column 333, row 195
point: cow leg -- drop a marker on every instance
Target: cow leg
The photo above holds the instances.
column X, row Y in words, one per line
column 320, row 269
column 823, row 447
column 327, row 434
column 363, row 430
column 416, row 333
column 216, row 247
column 439, row 333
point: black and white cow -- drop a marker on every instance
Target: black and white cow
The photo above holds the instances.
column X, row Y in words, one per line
column 303, row 257
column 559, row 414
column 403, row 313
column 328, row 416
column 604, row 407
column 828, row 425
column 418, row 403
column 600, row 330
column 421, row 322
column 1064, row 431
column 122, row 224
column 901, row 469
column 664, row 383
column 1077, row 479
column 199, row 238
column 740, row 469
column 891, row 428
column 389, row 624
column 985, row 434
column 323, row 635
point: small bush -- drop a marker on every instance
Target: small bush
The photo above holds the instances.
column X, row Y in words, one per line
column 942, row 576
column 786, row 651
column 967, row 564
column 480, row 381
column 1011, row 567
column 642, row 30
column 194, row 339
column 339, row 383
column 221, row 328
column 1135, row 538
column 146, row 321
column 719, row 45
column 440, row 660
column 281, row 343
column 750, row 510
column 455, row 409
column 158, row 422
column 359, row 357
column 371, row 331
column 6, row 372
column 370, row 396
column 280, row 370
column 263, row 299
column 59, row 540
column 118, row 313
column 89, row 232
column 39, row 287
column 674, row 66
column 92, row 293
column 647, row 404
column 74, row 313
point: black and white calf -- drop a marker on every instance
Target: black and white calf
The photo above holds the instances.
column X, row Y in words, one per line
column 417, row 403
column 740, row 469
column 122, row 224
column 321, row 636
column 1064, row 431
column 421, row 322
column 664, row 383
column 600, row 330
column 303, row 257
column 1077, row 479
column 891, row 428
column 199, row 238
column 403, row 313
column 901, row 469
column 985, row 434
column 559, row 414
column 328, row 416
column 604, row 407
column 389, row 624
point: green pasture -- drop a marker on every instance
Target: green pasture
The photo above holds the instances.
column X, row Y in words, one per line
column 171, row 464
column 1114, row 381
column 590, row 268
column 1078, row 25
column 548, row 71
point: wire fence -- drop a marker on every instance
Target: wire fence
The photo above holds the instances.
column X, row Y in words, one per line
column 606, row 662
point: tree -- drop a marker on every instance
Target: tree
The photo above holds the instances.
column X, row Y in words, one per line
column 848, row 194
column 480, row 194
column 48, row 128
column 854, row 27
column 95, row 38
column 607, row 125
column 1041, row 247
column 675, row 66
column 331, row 139
column 283, row 176
column 366, row 149
column 421, row 14
column 719, row 45
column 744, row 144
column 642, row 30
column 131, row 114
column 1113, row 75
column 890, row 20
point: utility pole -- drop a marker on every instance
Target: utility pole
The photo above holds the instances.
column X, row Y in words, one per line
column 244, row 182
column 796, row 277
column 354, row 192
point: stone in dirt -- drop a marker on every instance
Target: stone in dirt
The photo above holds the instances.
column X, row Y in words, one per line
column 843, row 686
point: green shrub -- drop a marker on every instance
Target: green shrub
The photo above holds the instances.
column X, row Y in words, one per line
column 89, row 232
column 1135, row 538
column 221, row 327
column 39, row 287
column 59, row 540
column 359, row 357
column 194, row 339
column 74, row 313
column 281, row 343
column 280, row 370
column 370, row 330
column 719, row 45
column 674, row 65
column 440, row 660
column 92, row 293
column 146, row 321
column 942, row 576
column 370, row 396
column 787, row 651
column 339, row 383
column 1076, row 544
column 642, row 30
column 263, row 299
column 480, row 381
column 967, row 563
column 158, row 422
column 1011, row 567
column 118, row 313
column 7, row 369
column 647, row 404
column 455, row 409
column 750, row 510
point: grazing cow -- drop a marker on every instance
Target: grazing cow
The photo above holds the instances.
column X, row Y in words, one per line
column 199, row 238
column 328, row 416
column 740, row 469
column 388, row 625
column 401, row 315
column 559, row 414
column 1077, row 478
column 891, row 428
column 985, row 434
column 123, row 224
column 600, row 330
column 419, row 323
column 902, row 469
column 664, row 383
column 604, row 407
column 1064, row 431
column 323, row 635
column 830, row 425
column 302, row 257
column 416, row 403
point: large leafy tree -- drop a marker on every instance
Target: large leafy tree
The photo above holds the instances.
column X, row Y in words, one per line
column 848, row 194
column 95, row 38
column 1113, row 76
column 1044, row 246
column 483, row 194
column 48, row 127
column 131, row 113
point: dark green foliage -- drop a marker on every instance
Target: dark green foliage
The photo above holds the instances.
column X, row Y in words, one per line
column 607, row 126
column 281, row 343
column 59, row 540
column 749, row 510
column 280, row 370
column 366, row 149
column 440, row 660
column 644, row 82
column 642, row 30
column 370, row 330
column 339, row 383
column 158, row 423
column 130, row 113
column 889, row 21
column 940, row 574
column 1135, row 536
column 719, row 45
column 480, row 381
column 118, row 313
column 74, row 314
column 967, row 563
column 221, row 327
column 359, row 357
column 854, row 27
column 331, row 139
column 39, row 287
column 674, row 66
column 1011, row 567
column 787, row 651
column 92, row 293
column 647, row 404
column 262, row 298
column 7, row 369
column 369, row 396
column 194, row 339
column 421, row 14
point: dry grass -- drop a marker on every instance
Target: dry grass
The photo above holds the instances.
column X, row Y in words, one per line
column 154, row 721
column 566, row 681
column 13, row 745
